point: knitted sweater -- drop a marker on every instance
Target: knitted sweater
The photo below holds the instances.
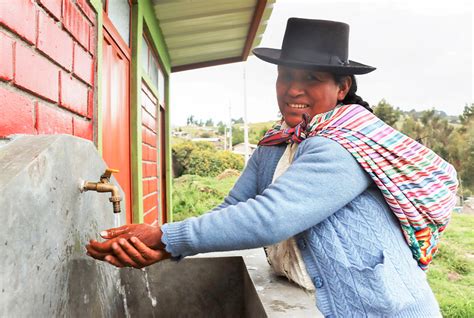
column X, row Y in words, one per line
column 350, row 241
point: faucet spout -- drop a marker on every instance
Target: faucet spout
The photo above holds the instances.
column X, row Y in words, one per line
column 104, row 185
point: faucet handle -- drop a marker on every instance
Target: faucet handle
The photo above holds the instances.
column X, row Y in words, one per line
column 108, row 173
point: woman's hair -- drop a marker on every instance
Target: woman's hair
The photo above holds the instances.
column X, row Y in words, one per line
column 351, row 97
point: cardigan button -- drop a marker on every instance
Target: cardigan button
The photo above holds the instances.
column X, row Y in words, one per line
column 301, row 244
column 318, row 282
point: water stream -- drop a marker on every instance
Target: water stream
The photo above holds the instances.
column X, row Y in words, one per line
column 117, row 220
column 153, row 299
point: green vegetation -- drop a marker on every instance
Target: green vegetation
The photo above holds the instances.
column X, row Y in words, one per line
column 451, row 275
column 203, row 159
column 451, row 138
column 194, row 195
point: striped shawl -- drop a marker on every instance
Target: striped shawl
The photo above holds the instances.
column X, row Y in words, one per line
column 418, row 185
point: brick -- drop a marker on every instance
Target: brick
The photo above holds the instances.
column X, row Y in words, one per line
column 152, row 185
column 152, row 154
column 149, row 153
column 76, row 23
column 35, row 73
column 52, row 6
column 92, row 40
column 149, row 169
column 51, row 120
column 148, row 104
column 73, row 94
column 145, row 152
column 145, row 189
column 83, row 64
column 150, row 202
column 144, row 135
column 16, row 114
column 54, row 42
column 82, row 128
column 151, row 138
column 151, row 216
column 90, row 104
column 148, row 120
column 6, row 57
column 87, row 10
column 20, row 17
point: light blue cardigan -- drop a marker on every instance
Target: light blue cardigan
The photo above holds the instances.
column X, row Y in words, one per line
column 350, row 241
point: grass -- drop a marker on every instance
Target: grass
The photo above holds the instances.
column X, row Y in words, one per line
column 194, row 195
column 451, row 274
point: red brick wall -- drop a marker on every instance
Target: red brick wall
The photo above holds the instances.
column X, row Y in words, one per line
column 47, row 67
column 150, row 157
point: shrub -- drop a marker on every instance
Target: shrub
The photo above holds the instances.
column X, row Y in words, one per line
column 195, row 195
column 202, row 158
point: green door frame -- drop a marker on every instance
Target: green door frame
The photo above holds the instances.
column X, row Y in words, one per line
column 142, row 14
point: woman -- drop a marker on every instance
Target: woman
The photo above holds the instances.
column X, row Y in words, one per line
column 357, row 205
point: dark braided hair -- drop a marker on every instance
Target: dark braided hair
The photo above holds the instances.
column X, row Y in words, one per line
column 351, row 97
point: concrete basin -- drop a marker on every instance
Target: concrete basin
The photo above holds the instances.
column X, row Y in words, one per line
column 195, row 287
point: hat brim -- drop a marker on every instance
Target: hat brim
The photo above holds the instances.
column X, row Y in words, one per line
column 274, row 56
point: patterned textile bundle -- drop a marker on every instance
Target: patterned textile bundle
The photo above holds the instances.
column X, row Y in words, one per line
column 418, row 185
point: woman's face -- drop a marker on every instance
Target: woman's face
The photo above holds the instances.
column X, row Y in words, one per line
column 302, row 91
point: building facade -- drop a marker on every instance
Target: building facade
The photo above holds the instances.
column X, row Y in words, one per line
column 100, row 70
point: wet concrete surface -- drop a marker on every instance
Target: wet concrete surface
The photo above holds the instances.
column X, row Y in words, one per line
column 193, row 287
column 279, row 297
column 44, row 271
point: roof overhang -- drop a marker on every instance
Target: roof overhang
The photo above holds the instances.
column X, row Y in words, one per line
column 201, row 33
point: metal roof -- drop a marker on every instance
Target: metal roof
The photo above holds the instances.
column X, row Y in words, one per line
column 201, row 33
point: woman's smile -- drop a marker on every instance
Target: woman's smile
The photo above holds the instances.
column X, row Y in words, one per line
column 298, row 106
column 301, row 91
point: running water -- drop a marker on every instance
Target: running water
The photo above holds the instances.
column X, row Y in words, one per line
column 153, row 299
column 121, row 290
column 116, row 219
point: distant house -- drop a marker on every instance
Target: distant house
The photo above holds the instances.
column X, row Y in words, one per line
column 181, row 134
column 210, row 139
column 240, row 149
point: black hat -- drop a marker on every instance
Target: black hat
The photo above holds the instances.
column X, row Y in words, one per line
column 317, row 45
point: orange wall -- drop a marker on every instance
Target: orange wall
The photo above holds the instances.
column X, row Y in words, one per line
column 47, row 67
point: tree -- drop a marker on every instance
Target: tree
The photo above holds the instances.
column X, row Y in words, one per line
column 238, row 121
column 209, row 123
column 237, row 135
column 467, row 114
column 190, row 120
column 221, row 128
column 387, row 112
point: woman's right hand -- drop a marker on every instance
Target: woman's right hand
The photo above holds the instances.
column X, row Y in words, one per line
column 133, row 245
column 134, row 253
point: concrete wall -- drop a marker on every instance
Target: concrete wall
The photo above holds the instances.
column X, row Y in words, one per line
column 46, row 223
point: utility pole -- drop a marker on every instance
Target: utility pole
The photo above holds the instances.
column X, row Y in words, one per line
column 246, row 127
column 230, row 126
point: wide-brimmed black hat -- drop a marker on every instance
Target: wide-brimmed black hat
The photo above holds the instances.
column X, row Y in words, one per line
column 315, row 44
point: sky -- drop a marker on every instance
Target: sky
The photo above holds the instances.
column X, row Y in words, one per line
column 423, row 52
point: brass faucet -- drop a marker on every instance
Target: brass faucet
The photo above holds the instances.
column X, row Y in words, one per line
column 104, row 185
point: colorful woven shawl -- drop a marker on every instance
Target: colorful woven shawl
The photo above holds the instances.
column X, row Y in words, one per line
column 418, row 185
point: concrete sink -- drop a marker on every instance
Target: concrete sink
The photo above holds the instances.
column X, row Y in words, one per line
column 195, row 287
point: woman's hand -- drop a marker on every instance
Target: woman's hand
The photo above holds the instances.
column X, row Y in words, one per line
column 134, row 245
column 134, row 253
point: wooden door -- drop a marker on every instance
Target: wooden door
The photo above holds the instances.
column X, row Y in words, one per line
column 116, row 111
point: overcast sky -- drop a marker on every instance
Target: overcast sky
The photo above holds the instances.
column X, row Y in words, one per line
column 422, row 50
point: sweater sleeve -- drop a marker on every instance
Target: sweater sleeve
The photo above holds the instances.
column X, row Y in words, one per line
column 246, row 185
column 322, row 179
